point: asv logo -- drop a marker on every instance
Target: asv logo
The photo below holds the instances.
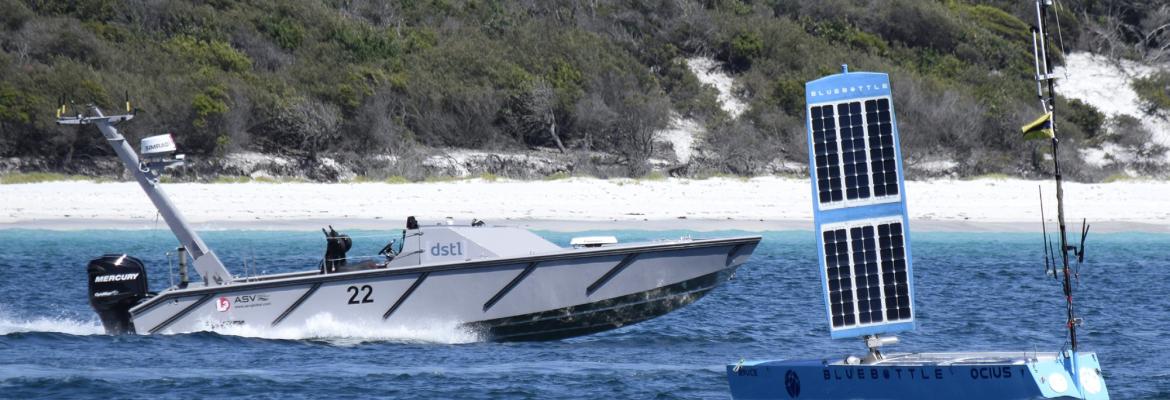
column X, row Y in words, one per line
column 223, row 304
column 251, row 298
column 447, row 249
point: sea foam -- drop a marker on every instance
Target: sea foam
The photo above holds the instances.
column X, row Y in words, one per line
column 326, row 328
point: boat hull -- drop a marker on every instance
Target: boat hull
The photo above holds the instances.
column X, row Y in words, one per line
column 923, row 376
column 549, row 296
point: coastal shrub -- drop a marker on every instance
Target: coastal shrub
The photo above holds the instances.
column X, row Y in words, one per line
column 840, row 31
column 15, row 14
column 211, row 53
column 1086, row 117
column 689, row 97
column 1129, row 132
column 1154, row 91
column 788, row 94
column 365, row 43
column 388, row 78
column 285, row 32
column 743, row 48
column 741, row 149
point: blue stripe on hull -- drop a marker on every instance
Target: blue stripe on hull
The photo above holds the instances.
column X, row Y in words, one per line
column 816, row 379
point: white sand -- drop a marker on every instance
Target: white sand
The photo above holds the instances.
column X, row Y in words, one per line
column 681, row 134
column 572, row 204
column 709, row 73
column 1106, row 85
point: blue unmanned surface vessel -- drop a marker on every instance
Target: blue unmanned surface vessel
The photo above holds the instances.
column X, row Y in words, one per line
column 859, row 207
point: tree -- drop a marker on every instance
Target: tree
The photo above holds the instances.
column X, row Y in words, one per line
column 305, row 127
column 535, row 113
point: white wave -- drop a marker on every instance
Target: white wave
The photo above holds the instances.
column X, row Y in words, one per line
column 10, row 324
column 327, row 328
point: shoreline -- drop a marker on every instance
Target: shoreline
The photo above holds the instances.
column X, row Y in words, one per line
column 575, row 204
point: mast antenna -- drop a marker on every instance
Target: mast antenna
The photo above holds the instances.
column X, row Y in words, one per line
column 157, row 154
column 1049, row 262
column 1046, row 91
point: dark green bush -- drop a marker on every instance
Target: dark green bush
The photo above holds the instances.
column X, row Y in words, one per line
column 1154, row 91
column 1086, row 117
column 743, row 48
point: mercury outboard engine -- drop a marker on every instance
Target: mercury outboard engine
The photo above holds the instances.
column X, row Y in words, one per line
column 117, row 282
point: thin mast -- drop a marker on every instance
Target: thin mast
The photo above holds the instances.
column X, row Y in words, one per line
column 210, row 268
column 1048, row 103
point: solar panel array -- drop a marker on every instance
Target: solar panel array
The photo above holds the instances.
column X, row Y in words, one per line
column 858, row 205
column 866, row 273
column 853, row 148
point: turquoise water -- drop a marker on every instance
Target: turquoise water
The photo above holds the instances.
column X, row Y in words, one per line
column 981, row 291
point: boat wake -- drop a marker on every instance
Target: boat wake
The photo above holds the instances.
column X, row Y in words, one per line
column 324, row 327
column 10, row 324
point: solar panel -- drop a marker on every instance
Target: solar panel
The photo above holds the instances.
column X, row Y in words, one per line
column 853, row 144
column 859, row 208
column 866, row 274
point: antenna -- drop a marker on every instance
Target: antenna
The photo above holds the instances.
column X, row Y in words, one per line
column 1084, row 233
column 157, row 154
column 1046, row 91
column 1044, row 230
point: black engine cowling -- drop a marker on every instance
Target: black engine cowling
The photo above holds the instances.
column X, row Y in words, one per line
column 116, row 283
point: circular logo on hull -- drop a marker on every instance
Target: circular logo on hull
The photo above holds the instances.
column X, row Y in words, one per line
column 223, row 304
column 792, row 384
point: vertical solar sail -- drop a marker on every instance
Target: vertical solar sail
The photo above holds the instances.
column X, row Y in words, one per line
column 859, row 204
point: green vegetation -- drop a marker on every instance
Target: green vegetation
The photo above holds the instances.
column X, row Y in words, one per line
column 38, row 177
column 654, row 176
column 257, row 179
column 232, row 179
column 1153, row 90
column 1087, row 118
column 396, row 180
column 441, row 178
column 303, row 77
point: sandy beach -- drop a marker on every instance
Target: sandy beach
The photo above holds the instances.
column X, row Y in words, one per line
column 758, row 204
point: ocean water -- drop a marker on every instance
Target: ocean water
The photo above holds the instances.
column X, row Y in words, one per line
column 975, row 291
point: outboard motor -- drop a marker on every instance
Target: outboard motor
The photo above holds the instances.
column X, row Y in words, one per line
column 117, row 282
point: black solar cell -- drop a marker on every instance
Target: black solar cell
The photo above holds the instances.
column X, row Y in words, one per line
column 853, row 150
column 839, row 277
column 896, row 284
column 881, row 147
column 827, row 158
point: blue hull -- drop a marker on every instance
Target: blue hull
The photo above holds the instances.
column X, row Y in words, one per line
column 923, row 376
